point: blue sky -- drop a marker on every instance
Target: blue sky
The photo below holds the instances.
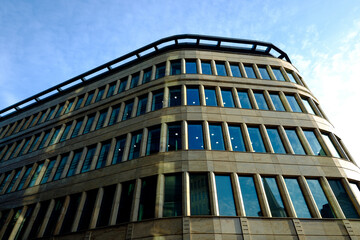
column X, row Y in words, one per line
column 43, row 43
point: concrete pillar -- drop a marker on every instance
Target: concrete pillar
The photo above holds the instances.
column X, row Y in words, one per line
column 159, row 201
column 214, row 206
column 315, row 213
column 116, row 202
column 289, row 207
column 264, row 204
column 97, row 206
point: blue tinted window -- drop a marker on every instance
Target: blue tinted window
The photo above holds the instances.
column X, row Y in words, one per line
column 275, row 140
column 275, row 98
column 195, row 133
column 210, row 97
column 101, row 120
column 15, row 150
column 42, row 143
column 127, row 111
column 249, row 196
column 160, row 71
column 227, row 98
column 293, row 103
column 278, row 74
column 74, row 163
column 23, row 147
column 89, row 98
column 88, row 159
column 221, row 70
column 297, row 198
column 35, row 175
column 174, row 97
column 225, row 196
column 175, row 67
column 65, row 133
column 157, row 101
column 48, row 171
column 57, row 113
column 68, row 107
column 174, row 137
column 103, row 155
column 199, row 194
column 135, row 146
column 261, row 102
column 191, row 67
column 42, row 115
column 172, row 195
column 236, row 138
column 100, row 94
column 89, row 124
column 291, row 77
column 6, row 178
column 147, row 75
column 274, row 198
column 114, row 115
column 235, row 70
column 79, row 102
column 331, row 146
column 141, row 106
column 256, row 139
column 50, row 114
column 216, row 137
column 249, row 71
column 61, row 167
column 314, row 143
column 192, row 95
column 244, row 99
column 23, row 179
column 119, row 150
column 123, row 83
column 53, row 139
column 111, row 90
column 153, row 143
column 343, row 199
column 134, row 80
column 206, row 68
column 308, row 106
column 13, row 180
column 77, row 128
column 295, row 141
column 264, row 73
column 320, row 198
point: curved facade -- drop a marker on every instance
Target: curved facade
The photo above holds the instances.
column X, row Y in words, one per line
column 191, row 137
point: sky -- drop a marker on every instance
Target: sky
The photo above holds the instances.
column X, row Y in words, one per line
column 43, row 43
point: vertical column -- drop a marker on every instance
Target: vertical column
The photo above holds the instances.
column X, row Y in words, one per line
column 79, row 212
column 252, row 99
column 202, row 95
column 285, row 139
column 264, row 204
column 163, row 137
column 62, row 215
column 247, row 140
column 183, row 66
column 46, row 218
column 159, row 201
column 153, row 72
column 239, row 202
column 97, row 207
column 67, row 165
column 184, row 97
column 81, row 161
column 166, row 97
column 111, row 152
column 198, row 66
column 289, row 207
column 149, row 102
column 236, row 97
column 167, row 68
column 266, row 139
column 213, row 195
column 144, row 142
column 186, row 194
column 219, row 96
column 136, row 202
column 128, row 83
column 115, row 207
column 269, row 69
column 227, row 139
column 304, row 141
column 206, row 136
column 213, row 67
column 184, row 134
column 309, row 197
column 96, row 156
column 18, row 223
column 331, row 197
column 268, row 100
column 31, row 221
column 127, row 147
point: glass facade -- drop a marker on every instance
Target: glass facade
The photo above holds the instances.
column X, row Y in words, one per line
column 320, row 198
column 111, row 90
column 175, row 67
column 88, row 124
column 192, row 95
column 225, row 196
column 100, row 94
column 274, row 198
column 35, row 175
column 135, row 145
column 119, row 150
column 104, row 152
column 244, row 100
column 308, row 106
column 88, row 159
column 278, row 104
column 153, row 142
column 250, row 196
column 331, row 146
column 295, row 141
column 297, row 198
column 157, row 101
column 235, row 70
column 126, row 199
column 48, row 171
column 260, row 100
column 172, row 195
column 174, row 97
column 141, row 108
column 216, row 137
column 206, row 68
column 293, row 103
column 147, row 198
column 147, row 76
column 210, row 97
column 160, row 71
column 221, row 69
column 278, row 74
column 291, row 77
column 134, row 80
column 65, row 133
column 76, row 130
column 264, row 73
column 195, row 136
column 191, row 67
column 60, row 167
column 275, row 140
column 127, row 111
column 314, row 143
column 114, row 115
column 122, row 86
column 256, row 139
column 227, row 98
column 236, row 138
column 249, row 71
column 74, row 163
column 101, row 120
column 199, row 194
column 174, row 137
column 89, row 99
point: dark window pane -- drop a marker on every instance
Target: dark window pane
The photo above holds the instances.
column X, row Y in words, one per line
column 65, row 133
column 87, row 210
column 79, row 102
column 249, row 196
column 24, row 147
column 101, row 120
column 48, row 171
column 235, row 70
column 89, row 98
column 160, row 71
column 297, row 198
column 55, row 214
column 157, row 101
column 119, row 150
column 278, row 74
column 111, row 90
column 23, row 179
column 127, row 111
column 314, row 143
column 141, row 109
column 236, row 138
column 114, row 115
column 331, row 146
column 88, row 159
column 192, row 95
column 249, row 71
column 15, row 150
column 199, row 194
column 24, row 125
column 34, row 143
column 103, row 155
column 308, row 106
column 134, row 80
column 275, row 98
column 261, row 102
column 100, row 94
column 74, row 163
column 173, row 196
column 106, row 206
column 256, row 139
column 225, row 196
column 89, row 124
column 264, row 73
column 77, row 128
column 275, row 140
column 41, row 118
column 210, row 97
column 70, row 213
column 53, row 139
column 153, row 143
column 244, row 99
column 195, row 134
column 321, row 200
column 221, row 70
column 174, row 97
column 24, row 223
column 206, row 68
column 174, row 137
column 147, row 198
column 216, row 137
column 191, row 67
column 126, row 199
column 39, row 219
column 227, row 98
column 274, row 198
column 6, row 178
column 293, row 103
column 123, row 83
column 60, row 168
column 295, row 141
column 50, row 114
column 343, row 199
column 13, row 181
column 135, row 146
column 58, row 112
column 35, row 175
column 147, row 75
column 175, row 67
column 11, row 224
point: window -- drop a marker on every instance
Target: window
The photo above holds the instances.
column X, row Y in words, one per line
column 147, row 75
column 353, row 187
column 331, row 146
column 48, row 171
column 42, row 115
column 128, row 110
column 261, row 102
column 249, row 71
column 135, row 145
column 123, row 83
column 89, row 98
column 278, row 74
column 206, row 68
column 126, row 199
column 343, row 198
column 50, row 114
column 293, row 103
column 119, row 150
column 256, row 139
column 291, row 76
column 23, row 179
column 39, row 219
column 77, row 128
column 307, row 105
column 42, row 143
column 13, row 180
column 199, row 194
column 100, row 94
column 264, row 73
column 59, row 110
column 141, row 108
column 275, row 140
column 111, row 90
column 244, row 99
column 174, row 97
column 250, row 196
column 87, row 210
column 70, row 213
column 24, row 223
column 65, row 133
column 297, row 198
column 216, row 137
column 51, row 224
column 53, row 139
column 6, row 178
column 160, row 71
column 210, row 97
column 195, row 134
column 147, row 198
column 88, row 124
column 24, row 147
column 79, row 102
column 34, row 120
column 295, row 141
column 174, row 137
column 88, row 159
column 191, row 67
column 101, row 120
column 13, row 154
column 314, row 143
column 175, row 67
column 236, row 138
column 74, row 163
column 192, row 95
column 114, row 115
column 24, row 126
column 36, row 175
column 173, row 195
column 235, row 70
column 153, row 143
column 134, row 80
column 221, row 69
column 227, row 98
column 278, row 104
column 274, row 198
column 106, row 206
column 11, row 223
column 61, row 167
column 320, row 198
column 225, row 196
column 157, row 100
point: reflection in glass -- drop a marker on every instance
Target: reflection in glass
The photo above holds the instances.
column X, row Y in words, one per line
column 123, row 83
column 147, row 198
column 48, row 171
column 100, row 94
column 216, row 137
column 291, row 77
column 35, row 175
column 314, row 143
column 23, row 179
column 275, row 140
column 236, row 138
column 174, row 97
column 225, row 196
column 153, row 143
column 135, row 146
column 101, row 120
column 275, row 98
column 221, row 70
column 89, row 99
column 227, row 98
column 160, row 71
column 42, row 143
column 173, row 195
column 355, row 190
column 320, row 198
column 297, row 198
column 191, row 67
column 274, row 198
column 88, row 159
column 192, row 95
column 278, row 74
column 256, row 139
column 293, row 103
column 295, row 141
column 89, row 124
column 134, row 80
column 264, row 73
column 249, row 196
column 244, row 99
column 206, row 68
column 195, row 134
column 127, row 111
column 331, row 146
column 210, row 97
column 343, row 199
column 111, row 90
column 119, row 150
column 77, row 128
column 52, row 140
column 199, row 194
column 249, row 71
column 13, row 180
column 103, row 155
column 235, row 70
column 60, row 168
column 147, row 75
column 308, row 106
column 175, row 67
column 261, row 102
column 74, row 163
column 157, row 101
column 174, row 137
column 141, row 109
column 77, row 106
column 65, row 133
